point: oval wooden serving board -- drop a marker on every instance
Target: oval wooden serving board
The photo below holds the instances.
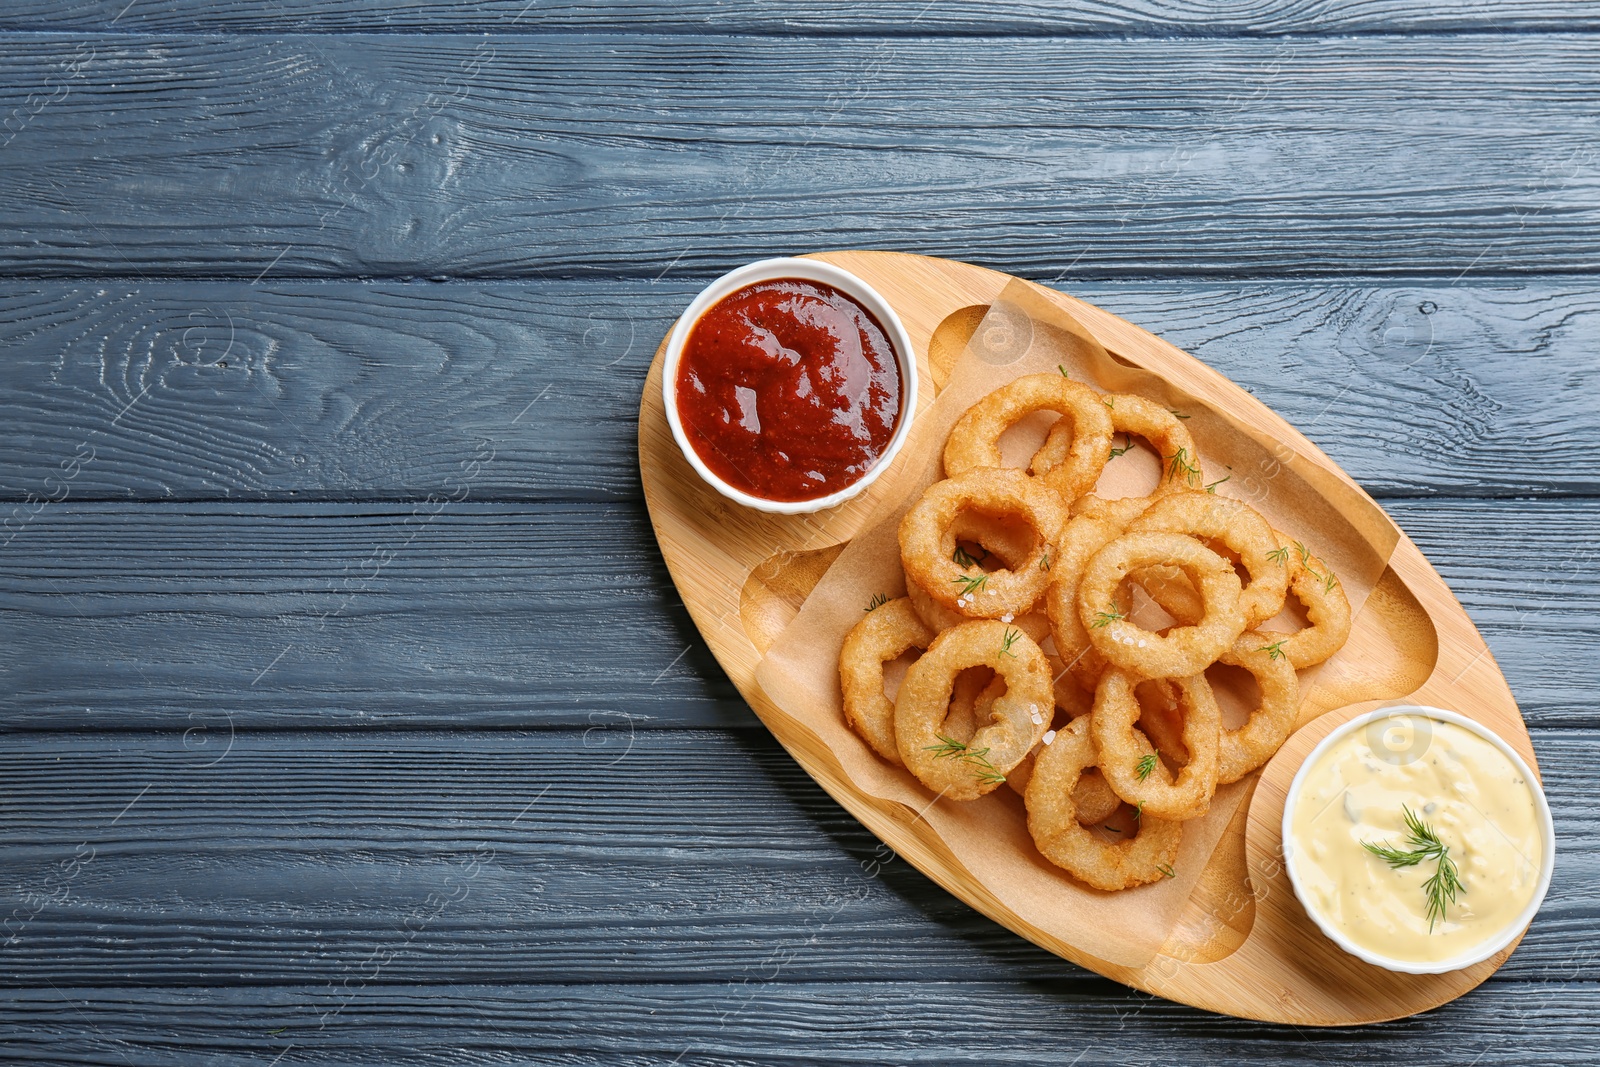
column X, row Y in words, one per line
column 1243, row 946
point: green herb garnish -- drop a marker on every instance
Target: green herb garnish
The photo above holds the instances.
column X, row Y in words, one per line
column 966, row 559
column 1008, row 640
column 1126, row 447
column 1106, row 618
column 878, row 600
column 1178, row 465
column 950, row 748
column 970, row 584
column 1146, row 764
column 1274, row 650
column 1445, row 884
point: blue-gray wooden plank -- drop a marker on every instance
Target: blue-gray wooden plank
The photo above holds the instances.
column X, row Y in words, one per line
column 760, row 1019
column 482, row 614
column 180, row 390
column 897, row 17
column 606, row 155
column 570, row 857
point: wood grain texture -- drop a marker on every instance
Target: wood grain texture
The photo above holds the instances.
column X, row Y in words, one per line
column 1014, row 17
column 596, row 155
column 583, row 156
column 301, row 857
column 491, row 615
column 337, row 390
column 757, row 1022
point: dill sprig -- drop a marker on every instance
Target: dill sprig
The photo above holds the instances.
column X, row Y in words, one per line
column 1212, row 488
column 878, row 600
column 1146, row 764
column 1138, row 812
column 1279, row 554
column 1063, row 371
column 1127, row 446
column 950, row 748
column 1110, row 402
column 1328, row 580
column 1179, row 465
column 1177, row 414
column 1103, row 619
column 970, row 584
column 1044, row 559
column 1008, row 640
column 1166, row 869
column 966, row 559
column 1274, row 650
column 1444, row 886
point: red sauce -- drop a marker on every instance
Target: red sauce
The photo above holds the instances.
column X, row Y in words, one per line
column 788, row 389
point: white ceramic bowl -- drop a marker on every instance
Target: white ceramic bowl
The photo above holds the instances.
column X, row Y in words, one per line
column 808, row 270
column 1494, row 944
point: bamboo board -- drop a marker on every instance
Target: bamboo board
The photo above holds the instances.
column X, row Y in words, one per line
column 1244, row 946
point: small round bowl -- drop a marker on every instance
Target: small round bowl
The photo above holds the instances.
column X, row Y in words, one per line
column 1494, row 944
column 810, row 270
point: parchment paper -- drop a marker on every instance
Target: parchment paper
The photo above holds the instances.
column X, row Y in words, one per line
column 1026, row 333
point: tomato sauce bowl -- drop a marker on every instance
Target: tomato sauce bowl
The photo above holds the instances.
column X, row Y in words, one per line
column 790, row 385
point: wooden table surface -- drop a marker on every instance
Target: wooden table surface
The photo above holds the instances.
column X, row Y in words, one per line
column 349, row 714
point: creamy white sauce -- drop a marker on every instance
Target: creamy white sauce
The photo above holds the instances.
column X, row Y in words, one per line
column 1465, row 788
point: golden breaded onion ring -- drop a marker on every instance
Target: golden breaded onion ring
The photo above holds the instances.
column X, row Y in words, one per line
column 1249, row 746
column 928, row 541
column 1246, row 747
column 1184, row 649
column 1083, row 434
column 1053, row 821
column 1131, row 414
column 1327, row 609
column 1017, row 718
column 1008, row 542
column 889, row 630
column 1209, row 517
column 1080, row 540
column 1092, row 796
column 1130, row 763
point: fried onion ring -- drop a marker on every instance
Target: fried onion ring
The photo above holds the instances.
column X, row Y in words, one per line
column 971, row 686
column 1092, row 796
column 1129, row 762
column 1018, row 718
column 1082, row 436
column 1208, row 517
column 888, row 631
column 941, row 618
column 1096, row 802
column 1183, row 650
column 1131, row 414
column 928, row 541
column 1053, row 821
column 1251, row 745
column 1082, row 538
column 1327, row 609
